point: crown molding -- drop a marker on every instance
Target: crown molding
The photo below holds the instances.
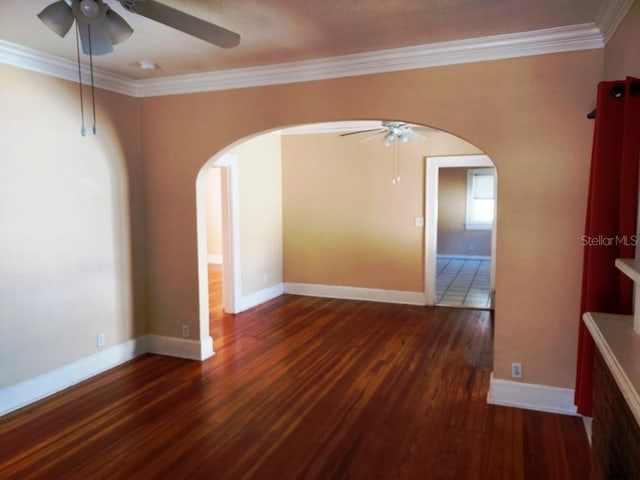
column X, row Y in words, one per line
column 496, row 47
column 36, row 61
column 611, row 14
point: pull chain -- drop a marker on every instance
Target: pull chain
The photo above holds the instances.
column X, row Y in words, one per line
column 93, row 88
column 395, row 174
column 83, row 129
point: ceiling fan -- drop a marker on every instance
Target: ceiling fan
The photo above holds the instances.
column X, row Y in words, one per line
column 100, row 27
column 392, row 131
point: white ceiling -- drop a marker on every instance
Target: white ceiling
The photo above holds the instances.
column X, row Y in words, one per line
column 283, row 31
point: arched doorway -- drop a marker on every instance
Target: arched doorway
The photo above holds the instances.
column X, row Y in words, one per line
column 349, row 230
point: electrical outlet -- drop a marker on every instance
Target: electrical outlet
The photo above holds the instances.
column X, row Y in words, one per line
column 100, row 340
column 265, row 278
column 516, row 370
column 185, row 331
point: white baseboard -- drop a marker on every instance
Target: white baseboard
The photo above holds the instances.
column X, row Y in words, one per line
column 180, row 347
column 41, row 386
column 542, row 398
column 455, row 256
column 356, row 293
column 215, row 258
column 254, row 299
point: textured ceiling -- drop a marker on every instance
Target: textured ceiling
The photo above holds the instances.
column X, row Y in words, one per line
column 281, row 31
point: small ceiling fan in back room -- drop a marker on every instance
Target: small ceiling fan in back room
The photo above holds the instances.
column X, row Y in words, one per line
column 99, row 28
column 392, row 131
column 392, row 134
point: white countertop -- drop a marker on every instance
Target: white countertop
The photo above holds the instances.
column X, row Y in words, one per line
column 620, row 347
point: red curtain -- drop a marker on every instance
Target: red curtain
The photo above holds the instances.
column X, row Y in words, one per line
column 611, row 217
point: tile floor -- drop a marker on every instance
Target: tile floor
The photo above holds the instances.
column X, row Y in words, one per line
column 463, row 282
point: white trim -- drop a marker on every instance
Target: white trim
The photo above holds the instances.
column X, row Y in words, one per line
column 433, row 165
column 585, row 36
column 215, row 258
column 495, row 47
column 231, row 248
column 41, row 386
column 202, row 263
column 530, row 396
column 180, row 347
column 37, row 61
column 611, row 14
column 256, row 298
column 619, row 345
column 355, row 293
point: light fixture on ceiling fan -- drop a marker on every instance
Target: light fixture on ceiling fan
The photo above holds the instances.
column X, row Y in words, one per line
column 99, row 28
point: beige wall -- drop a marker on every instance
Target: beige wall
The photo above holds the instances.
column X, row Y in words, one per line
column 345, row 222
column 260, row 201
column 453, row 237
column 622, row 54
column 213, row 206
column 68, row 208
column 527, row 114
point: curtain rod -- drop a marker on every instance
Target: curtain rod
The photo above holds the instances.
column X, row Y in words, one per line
column 618, row 92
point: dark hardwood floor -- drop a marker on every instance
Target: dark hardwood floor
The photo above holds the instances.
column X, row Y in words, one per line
column 301, row 388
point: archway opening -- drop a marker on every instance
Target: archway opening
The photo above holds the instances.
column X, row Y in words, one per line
column 352, row 215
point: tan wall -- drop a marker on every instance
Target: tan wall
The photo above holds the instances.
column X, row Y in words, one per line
column 453, row 237
column 527, row 114
column 622, row 54
column 68, row 207
column 345, row 222
column 213, row 205
column 260, row 200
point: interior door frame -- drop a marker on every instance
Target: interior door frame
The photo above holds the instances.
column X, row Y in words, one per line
column 433, row 164
column 231, row 272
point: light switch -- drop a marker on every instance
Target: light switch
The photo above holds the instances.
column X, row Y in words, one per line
column 419, row 221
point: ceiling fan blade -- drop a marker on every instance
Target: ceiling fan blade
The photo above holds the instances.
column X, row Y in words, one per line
column 100, row 40
column 362, row 131
column 372, row 136
column 183, row 21
column 415, row 136
column 422, row 128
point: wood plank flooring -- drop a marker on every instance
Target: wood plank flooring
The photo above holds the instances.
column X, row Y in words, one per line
column 301, row 388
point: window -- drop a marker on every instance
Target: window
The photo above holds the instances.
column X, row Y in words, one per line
column 480, row 198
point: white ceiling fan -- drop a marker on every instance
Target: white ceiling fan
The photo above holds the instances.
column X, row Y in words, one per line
column 100, row 27
column 391, row 132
